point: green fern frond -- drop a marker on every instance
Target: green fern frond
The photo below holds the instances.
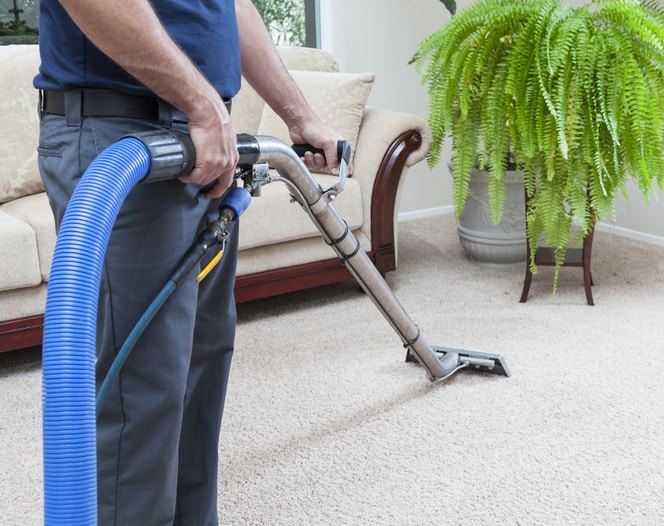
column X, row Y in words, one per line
column 575, row 94
column 563, row 43
column 523, row 82
column 546, row 24
column 464, row 158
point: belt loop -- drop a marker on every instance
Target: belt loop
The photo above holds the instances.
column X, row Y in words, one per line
column 41, row 103
column 179, row 117
column 73, row 104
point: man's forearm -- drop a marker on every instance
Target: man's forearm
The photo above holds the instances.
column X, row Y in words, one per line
column 263, row 69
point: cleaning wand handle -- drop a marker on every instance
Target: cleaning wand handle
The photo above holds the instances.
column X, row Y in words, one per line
column 173, row 155
column 343, row 156
column 343, row 151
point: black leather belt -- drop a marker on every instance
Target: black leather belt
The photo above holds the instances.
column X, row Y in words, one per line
column 97, row 102
column 100, row 102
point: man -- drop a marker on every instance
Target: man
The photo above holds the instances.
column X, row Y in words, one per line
column 114, row 67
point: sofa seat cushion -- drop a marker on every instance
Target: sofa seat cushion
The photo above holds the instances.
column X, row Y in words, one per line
column 19, row 258
column 272, row 218
column 35, row 211
column 20, row 303
column 28, row 230
column 298, row 252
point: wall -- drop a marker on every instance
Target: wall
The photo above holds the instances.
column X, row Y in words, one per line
column 381, row 36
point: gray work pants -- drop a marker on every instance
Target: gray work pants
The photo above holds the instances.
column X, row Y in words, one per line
column 158, row 434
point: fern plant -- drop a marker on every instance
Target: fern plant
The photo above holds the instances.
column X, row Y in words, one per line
column 574, row 94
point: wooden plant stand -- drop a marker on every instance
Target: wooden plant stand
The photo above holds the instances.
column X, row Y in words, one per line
column 574, row 257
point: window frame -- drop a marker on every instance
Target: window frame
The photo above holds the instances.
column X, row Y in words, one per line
column 312, row 23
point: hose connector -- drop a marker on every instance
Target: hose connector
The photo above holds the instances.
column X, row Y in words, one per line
column 172, row 154
column 235, row 204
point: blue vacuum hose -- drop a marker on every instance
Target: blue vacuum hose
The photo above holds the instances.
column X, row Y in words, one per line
column 68, row 396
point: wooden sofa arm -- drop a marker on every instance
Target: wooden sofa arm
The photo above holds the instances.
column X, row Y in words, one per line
column 384, row 199
column 388, row 144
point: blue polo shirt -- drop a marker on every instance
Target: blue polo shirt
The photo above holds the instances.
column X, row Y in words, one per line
column 205, row 29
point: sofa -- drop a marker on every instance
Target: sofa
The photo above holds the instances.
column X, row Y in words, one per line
column 280, row 248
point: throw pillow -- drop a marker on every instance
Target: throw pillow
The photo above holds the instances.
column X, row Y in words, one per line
column 337, row 98
column 19, row 126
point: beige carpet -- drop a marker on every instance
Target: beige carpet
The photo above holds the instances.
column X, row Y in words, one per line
column 326, row 424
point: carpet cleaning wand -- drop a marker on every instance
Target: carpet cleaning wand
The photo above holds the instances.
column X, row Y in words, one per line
column 440, row 362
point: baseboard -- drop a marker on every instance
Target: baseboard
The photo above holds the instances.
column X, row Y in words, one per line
column 631, row 234
column 600, row 227
column 428, row 212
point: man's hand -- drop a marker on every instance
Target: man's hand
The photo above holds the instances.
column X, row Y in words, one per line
column 318, row 135
column 215, row 141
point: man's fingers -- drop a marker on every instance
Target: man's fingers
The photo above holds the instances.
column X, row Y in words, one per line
column 320, row 162
column 213, row 187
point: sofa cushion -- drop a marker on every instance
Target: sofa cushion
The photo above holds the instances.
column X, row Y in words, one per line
column 272, row 218
column 19, row 259
column 19, row 126
column 19, row 303
column 35, row 211
column 306, row 58
column 298, row 252
column 337, row 98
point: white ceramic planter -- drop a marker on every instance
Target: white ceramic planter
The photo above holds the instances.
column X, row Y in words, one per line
column 501, row 245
